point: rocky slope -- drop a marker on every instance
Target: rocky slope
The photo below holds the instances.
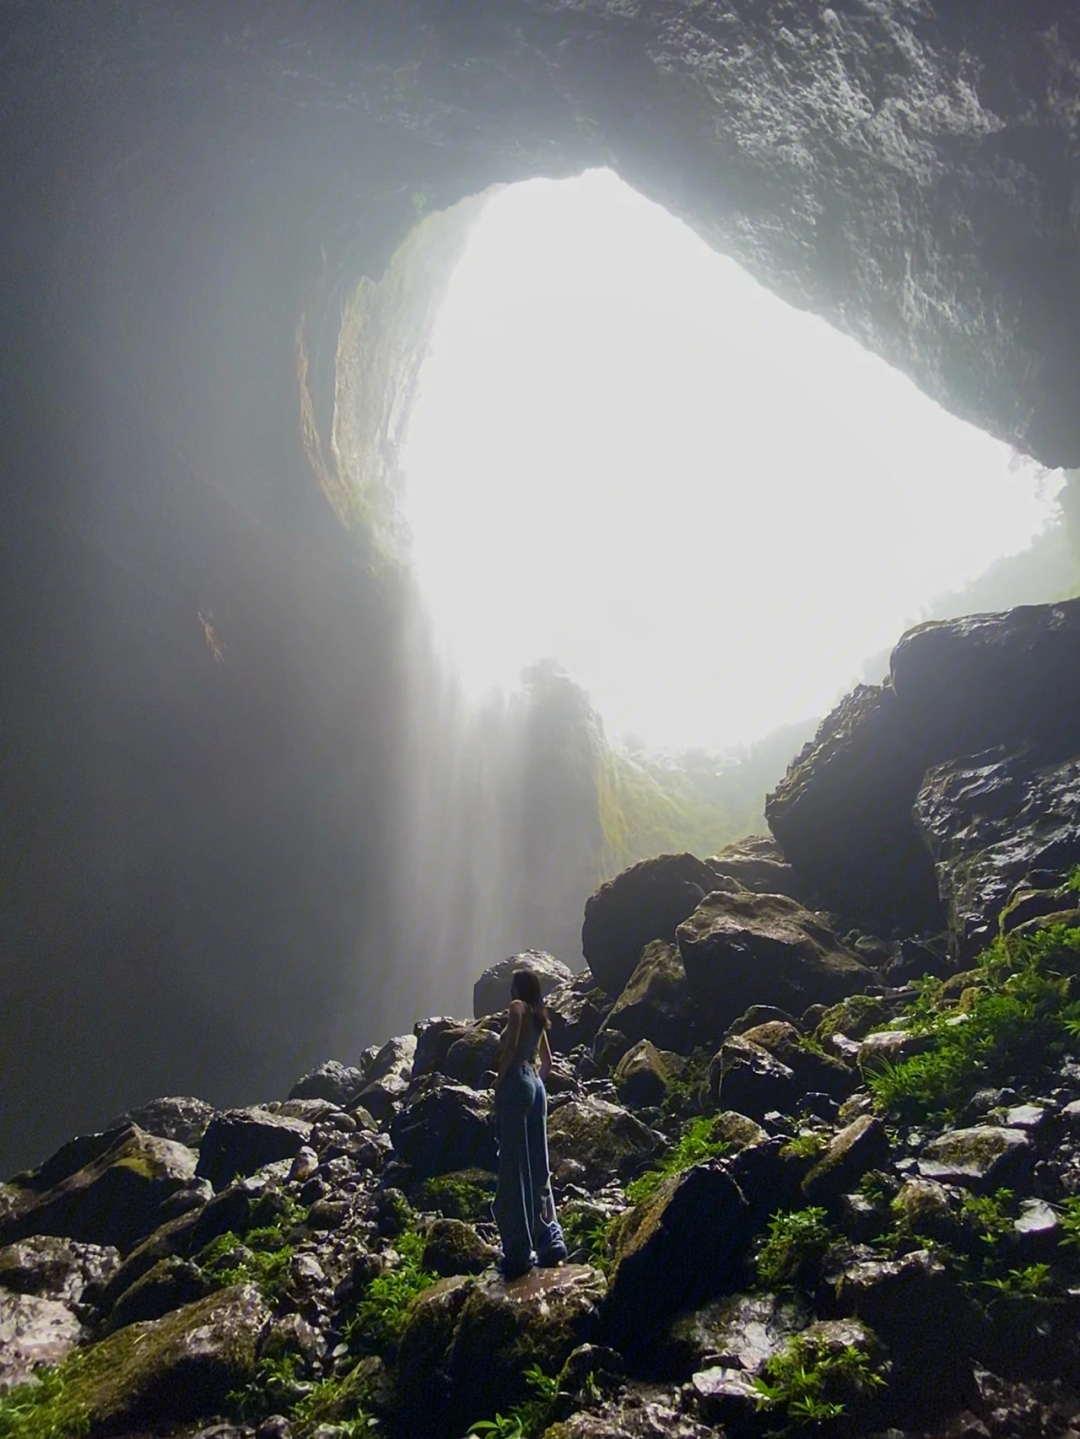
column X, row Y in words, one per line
column 815, row 1179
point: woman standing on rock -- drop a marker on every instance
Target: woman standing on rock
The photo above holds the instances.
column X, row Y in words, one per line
column 524, row 1206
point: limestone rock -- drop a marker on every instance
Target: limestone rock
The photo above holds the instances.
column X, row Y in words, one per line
column 859, row 1147
column 55, row 1268
column 646, row 902
column 989, row 820
column 675, row 1250
column 444, row 1127
column 985, row 1157
column 33, row 1332
column 388, row 1078
column 491, row 992
column 601, row 1141
column 655, row 1003
column 889, row 1046
column 758, row 863
column 333, row 1081
column 740, row 1331
column 641, row 1077
column 102, row 1189
column 461, row 1351
column 742, row 949
column 177, row 1117
column 240, row 1141
column 473, row 1055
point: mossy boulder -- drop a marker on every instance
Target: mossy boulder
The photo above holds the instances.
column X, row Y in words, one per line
column 240, row 1141
column 170, row 1284
column 467, row 1342
column 453, row 1247
column 859, row 1147
column 647, row 901
column 745, row 1077
column 741, row 948
column 814, row 1071
column 983, row 1157
column 163, row 1373
column 854, row 1017
column 740, row 1331
column 598, row 1141
column 106, row 1189
column 655, row 1003
column 677, row 1249
column 641, row 1076
column 444, row 1127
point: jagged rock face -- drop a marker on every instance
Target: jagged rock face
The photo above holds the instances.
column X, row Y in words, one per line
column 843, row 812
column 990, row 821
column 656, row 1002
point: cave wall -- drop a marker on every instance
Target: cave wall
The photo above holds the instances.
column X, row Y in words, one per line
column 199, row 694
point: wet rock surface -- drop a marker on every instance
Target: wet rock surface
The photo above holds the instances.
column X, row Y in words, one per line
column 491, row 992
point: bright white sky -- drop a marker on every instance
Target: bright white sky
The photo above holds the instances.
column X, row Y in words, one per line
column 708, row 507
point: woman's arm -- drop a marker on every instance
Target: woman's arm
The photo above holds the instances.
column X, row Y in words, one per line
column 511, row 1037
column 545, row 1057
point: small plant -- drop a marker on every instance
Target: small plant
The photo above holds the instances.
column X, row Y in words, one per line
column 378, row 1318
column 696, row 1145
column 807, row 1380
column 585, row 1230
column 458, row 1196
column 807, row 1145
column 48, row 1407
column 261, row 1258
column 792, row 1250
column 529, row 1419
column 1032, row 1282
column 1070, row 1223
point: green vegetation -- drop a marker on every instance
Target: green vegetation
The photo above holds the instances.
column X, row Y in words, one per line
column 379, row 1315
column 277, row 1389
column 807, row 1145
column 813, row 1384
column 260, row 1258
column 1019, row 1016
column 467, row 1195
column 49, row 1407
column 589, row 1233
column 790, row 1254
column 529, row 1419
column 696, row 1145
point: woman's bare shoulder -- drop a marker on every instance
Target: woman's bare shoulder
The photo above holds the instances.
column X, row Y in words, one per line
column 518, row 1007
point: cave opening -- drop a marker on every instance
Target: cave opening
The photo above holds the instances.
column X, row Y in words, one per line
column 712, row 510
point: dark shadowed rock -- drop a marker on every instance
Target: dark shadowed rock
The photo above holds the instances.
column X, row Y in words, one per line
column 741, row 949
column 444, row 1127
column 758, row 863
column 465, row 1343
column 859, row 1147
column 815, row 1073
column 169, row 1285
column 746, row 1078
column 633, row 1415
column 433, row 1038
column 240, row 1141
column 598, row 1140
column 112, row 1198
column 646, row 902
column 177, row 1117
column 641, row 1076
column 491, row 992
column 472, row 1055
column 990, row 820
column 333, row 1081
column 677, row 1249
column 453, row 1247
column 576, row 1011
column 656, row 1003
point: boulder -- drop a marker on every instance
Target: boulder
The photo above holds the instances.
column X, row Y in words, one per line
column 333, row 1081
column 453, row 1247
column 33, row 1332
column 984, row 1157
column 641, row 1077
column 444, row 1127
column 491, row 992
column 172, row 1370
column 989, row 820
column 240, row 1141
column 631, row 1414
column 171, row 1283
column 472, row 1055
column 842, row 814
column 388, row 1077
column 177, row 1117
column 745, row 1077
column 656, row 1003
column 646, row 902
column 815, row 1073
column 741, row 949
column 757, row 863
column 466, row 1343
column 859, row 1147
column 678, row 1248
column 890, row 1046
column 103, row 1189
column 55, row 1268
column 576, row 1011
column 740, row 1331
column 594, row 1142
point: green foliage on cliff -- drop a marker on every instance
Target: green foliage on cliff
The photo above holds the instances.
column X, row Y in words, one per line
column 1018, row 1017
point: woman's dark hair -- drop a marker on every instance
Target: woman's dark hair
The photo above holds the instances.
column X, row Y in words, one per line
column 526, row 987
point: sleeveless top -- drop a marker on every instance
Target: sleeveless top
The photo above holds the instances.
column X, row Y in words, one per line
column 528, row 1045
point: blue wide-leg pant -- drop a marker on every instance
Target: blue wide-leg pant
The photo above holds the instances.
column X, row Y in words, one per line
column 524, row 1206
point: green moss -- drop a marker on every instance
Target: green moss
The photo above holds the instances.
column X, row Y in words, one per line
column 465, row 1195
column 697, row 1144
column 379, row 1315
column 812, row 1384
column 1018, row 1019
